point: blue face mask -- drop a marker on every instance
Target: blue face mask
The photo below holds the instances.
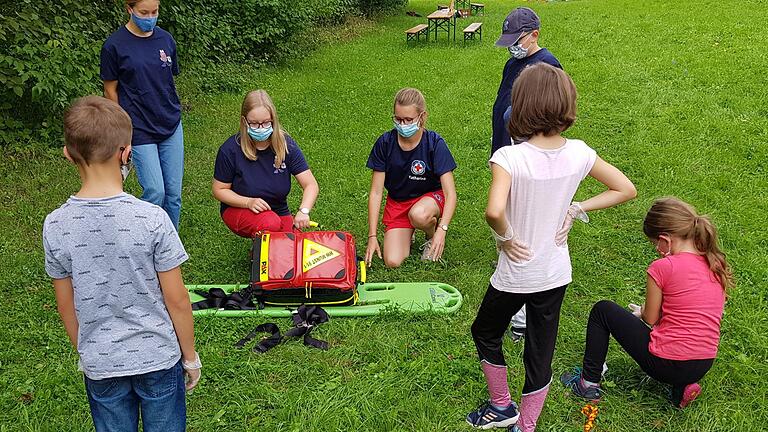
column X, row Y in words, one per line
column 145, row 24
column 260, row 134
column 407, row 131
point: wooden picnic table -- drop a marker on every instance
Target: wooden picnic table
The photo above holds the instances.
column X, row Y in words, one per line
column 441, row 21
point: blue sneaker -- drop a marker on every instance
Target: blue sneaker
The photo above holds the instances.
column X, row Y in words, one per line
column 487, row 417
column 573, row 381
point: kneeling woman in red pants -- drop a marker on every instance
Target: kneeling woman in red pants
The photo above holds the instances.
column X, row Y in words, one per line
column 252, row 175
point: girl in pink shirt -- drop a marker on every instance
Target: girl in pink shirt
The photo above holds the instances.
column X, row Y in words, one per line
column 675, row 334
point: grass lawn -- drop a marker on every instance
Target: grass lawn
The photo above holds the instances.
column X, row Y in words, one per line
column 673, row 93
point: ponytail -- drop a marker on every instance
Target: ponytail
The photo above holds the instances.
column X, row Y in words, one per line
column 705, row 240
column 678, row 218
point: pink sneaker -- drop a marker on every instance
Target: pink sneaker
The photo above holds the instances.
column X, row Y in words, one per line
column 690, row 393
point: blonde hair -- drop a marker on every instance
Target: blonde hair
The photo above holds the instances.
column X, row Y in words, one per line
column 133, row 3
column 255, row 99
column 675, row 217
column 94, row 129
column 412, row 97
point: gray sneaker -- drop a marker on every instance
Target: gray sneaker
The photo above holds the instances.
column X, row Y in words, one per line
column 425, row 250
column 575, row 383
column 516, row 334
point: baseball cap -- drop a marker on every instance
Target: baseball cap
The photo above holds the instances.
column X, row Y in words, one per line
column 518, row 21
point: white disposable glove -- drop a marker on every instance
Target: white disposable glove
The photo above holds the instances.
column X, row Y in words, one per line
column 192, row 372
column 574, row 212
column 512, row 246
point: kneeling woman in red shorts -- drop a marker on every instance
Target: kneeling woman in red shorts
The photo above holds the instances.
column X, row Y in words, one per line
column 252, row 175
column 416, row 167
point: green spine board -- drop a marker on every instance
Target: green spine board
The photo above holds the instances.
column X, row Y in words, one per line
column 375, row 297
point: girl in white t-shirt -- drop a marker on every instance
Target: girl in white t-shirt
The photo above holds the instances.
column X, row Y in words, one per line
column 530, row 213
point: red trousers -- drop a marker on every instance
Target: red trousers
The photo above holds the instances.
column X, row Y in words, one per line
column 246, row 223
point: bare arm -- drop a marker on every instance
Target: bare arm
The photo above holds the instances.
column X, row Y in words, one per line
column 110, row 90
column 620, row 188
column 374, row 201
column 495, row 211
column 449, row 190
column 495, row 214
column 224, row 193
column 311, row 189
column 180, row 309
column 438, row 239
column 65, row 303
column 651, row 311
column 374, row 206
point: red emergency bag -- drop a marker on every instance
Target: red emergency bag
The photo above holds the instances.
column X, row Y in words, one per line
column 318, row 267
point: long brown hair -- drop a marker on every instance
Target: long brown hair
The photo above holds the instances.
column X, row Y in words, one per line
column 543, row 101
column 255, row 99
column 675, row 217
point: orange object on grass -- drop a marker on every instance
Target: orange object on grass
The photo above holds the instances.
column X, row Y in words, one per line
column 590, row 411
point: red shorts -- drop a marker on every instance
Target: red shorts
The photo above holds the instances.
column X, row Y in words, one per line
column 246, row 223
column 396, row 212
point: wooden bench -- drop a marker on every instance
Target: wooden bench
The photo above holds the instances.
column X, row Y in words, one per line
column 414, row 33
column 471, row 30
column 477, row 8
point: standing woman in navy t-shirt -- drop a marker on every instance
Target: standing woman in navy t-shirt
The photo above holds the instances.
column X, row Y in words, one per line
column 138, row 63
column 252, row 175
column 416, row 167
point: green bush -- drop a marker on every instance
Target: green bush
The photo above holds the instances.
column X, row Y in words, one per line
column 226, row 31
column 49, row 51
column 373, row 7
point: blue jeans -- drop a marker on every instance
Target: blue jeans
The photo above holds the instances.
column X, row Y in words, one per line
column 116, row 402
column 160, row 168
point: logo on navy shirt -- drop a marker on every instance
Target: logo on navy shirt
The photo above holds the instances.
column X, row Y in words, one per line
column 165, row 59
column 279, row 170
column 418, row 167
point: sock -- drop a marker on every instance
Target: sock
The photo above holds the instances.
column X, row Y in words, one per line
column 586, row 383
column 530, row 409
column 496, row 377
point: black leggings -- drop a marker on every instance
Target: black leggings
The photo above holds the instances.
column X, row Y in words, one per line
column 543, row 317
column 606, row 319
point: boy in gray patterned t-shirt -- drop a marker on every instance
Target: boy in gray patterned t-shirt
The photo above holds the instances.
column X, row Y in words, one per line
column 115, row 263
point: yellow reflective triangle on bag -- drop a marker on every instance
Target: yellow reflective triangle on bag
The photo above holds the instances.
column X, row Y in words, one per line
column 315, row 254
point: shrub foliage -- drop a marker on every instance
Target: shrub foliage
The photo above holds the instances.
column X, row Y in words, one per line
column 49, row 51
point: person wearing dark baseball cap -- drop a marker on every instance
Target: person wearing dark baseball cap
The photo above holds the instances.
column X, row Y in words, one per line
column 520, row 35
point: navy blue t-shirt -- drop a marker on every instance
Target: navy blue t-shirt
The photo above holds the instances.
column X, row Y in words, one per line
column 144, row 68
column 504, row 97
column 259, row 178
column 411, row 174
